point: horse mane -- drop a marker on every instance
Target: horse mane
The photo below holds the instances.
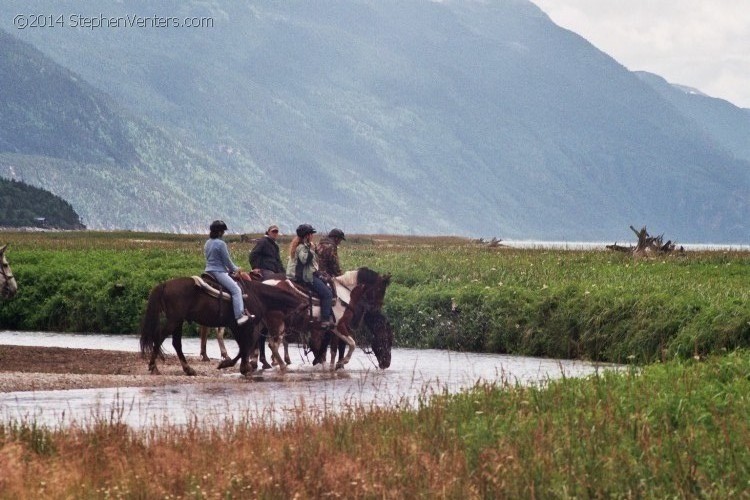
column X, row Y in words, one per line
column 367, row 276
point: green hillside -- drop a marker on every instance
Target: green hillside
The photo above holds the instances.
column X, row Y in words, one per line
column 22, row 205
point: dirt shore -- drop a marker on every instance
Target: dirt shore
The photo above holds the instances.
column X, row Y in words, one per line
column 24, row 368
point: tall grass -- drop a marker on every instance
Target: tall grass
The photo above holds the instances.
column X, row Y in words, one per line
column 674, row 430
column 446, row 292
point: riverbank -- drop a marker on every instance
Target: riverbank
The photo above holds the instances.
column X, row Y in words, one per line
column 29, row 368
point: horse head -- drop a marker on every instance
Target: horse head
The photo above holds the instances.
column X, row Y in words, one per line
column 375, row 287
column 382, row 337
column 8, row 285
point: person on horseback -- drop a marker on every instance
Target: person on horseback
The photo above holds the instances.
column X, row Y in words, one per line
column 302, row 268
column 327, row 250
column 265, row 257
column 219, row 264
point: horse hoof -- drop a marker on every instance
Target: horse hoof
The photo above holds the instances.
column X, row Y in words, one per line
column 266, row 366
column 190, row 372
column 205, row 358
column 154, row 371
column 339, row 365
column 224, row 364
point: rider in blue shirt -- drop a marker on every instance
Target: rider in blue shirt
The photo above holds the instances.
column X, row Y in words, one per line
column 219, row 264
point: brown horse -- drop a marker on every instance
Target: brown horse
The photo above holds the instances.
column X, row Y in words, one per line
column 180, row 300
column 8, row 285
column 358, row 292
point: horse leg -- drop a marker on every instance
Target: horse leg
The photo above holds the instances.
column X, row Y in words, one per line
column 226, row 363
column 262, row 348
column 334, row 347
column 342, row 332
column 156, row 352
column 276, row 330
column 220, row 340
column 287, row 359
column 247, row 344
column 177, row 344
column 204, row 340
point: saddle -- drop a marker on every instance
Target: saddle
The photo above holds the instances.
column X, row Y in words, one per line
column 210, row 286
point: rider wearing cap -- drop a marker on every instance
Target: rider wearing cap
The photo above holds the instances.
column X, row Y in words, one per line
column 266, row 256
column 219, row 264
column 302, row 266
column 327, row 250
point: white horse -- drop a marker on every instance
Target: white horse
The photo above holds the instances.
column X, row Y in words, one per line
column 8, row 285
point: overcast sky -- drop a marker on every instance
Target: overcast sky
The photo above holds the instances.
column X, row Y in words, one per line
column 699, row 43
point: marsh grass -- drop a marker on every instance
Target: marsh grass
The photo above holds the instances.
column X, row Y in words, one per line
column 673, row 430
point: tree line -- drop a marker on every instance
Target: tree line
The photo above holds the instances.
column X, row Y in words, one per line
column 22, row 205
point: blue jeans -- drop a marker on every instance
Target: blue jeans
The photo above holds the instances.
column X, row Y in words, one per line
column 326, row 298
column 228, row 283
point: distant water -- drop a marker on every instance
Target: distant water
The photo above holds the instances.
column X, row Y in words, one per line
column 594, row 245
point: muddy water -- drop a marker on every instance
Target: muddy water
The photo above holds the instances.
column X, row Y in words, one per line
column 268, row 396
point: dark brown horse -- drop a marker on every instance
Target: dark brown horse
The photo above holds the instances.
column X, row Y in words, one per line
column 179, row 300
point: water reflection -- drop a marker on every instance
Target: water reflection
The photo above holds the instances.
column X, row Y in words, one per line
column 268, row 396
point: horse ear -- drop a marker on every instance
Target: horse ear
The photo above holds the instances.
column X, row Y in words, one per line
column 2, row 248
column 387, row 279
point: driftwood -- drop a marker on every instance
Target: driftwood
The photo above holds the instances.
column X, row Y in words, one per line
column 647, row 244
column 493, row 243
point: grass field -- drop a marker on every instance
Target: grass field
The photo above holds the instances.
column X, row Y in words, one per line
column 447, row 293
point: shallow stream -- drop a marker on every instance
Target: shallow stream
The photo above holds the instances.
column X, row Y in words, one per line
column 268, row 396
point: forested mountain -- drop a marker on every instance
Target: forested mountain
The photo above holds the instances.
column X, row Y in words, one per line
column 22, row 205
column 409, row 116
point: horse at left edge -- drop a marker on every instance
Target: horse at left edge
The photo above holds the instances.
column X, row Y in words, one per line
column 8, row 285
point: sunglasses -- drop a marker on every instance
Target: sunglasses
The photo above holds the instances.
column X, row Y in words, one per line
column 274, row 230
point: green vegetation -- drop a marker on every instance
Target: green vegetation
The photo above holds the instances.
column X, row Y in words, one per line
column 21, row 205
column 563, row 304
column 674, row 430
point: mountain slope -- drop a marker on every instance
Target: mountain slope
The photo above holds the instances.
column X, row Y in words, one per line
column 58, row 132
column 726, row 124
column 467, row 117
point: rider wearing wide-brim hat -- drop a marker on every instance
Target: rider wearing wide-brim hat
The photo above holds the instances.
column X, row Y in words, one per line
column 302, row 268
column 219, row 264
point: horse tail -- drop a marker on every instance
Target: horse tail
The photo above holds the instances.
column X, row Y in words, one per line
column 150, row 324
